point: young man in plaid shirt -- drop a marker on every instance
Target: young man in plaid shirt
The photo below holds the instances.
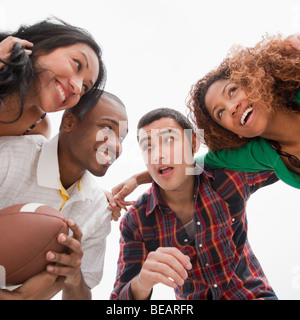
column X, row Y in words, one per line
column 188, row 231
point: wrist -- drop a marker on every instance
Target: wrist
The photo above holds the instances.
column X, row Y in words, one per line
column 142, row 178
column 138, row 291
column 74, row 281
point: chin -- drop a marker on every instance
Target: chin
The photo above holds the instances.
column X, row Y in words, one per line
column 166, row 186
column 99, row 172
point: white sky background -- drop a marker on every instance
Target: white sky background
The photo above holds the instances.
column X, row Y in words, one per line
column 154, row 50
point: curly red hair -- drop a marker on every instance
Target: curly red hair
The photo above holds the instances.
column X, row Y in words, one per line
column 267, row 72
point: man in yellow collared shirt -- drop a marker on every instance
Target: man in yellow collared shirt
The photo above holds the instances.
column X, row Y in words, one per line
column 59, row 173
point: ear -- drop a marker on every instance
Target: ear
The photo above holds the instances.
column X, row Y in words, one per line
column 69, row 120
column 196, row 141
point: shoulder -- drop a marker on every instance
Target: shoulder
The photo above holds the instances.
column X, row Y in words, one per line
column 142, row 202
column 253, row 156
column 229, row 182
column 19, row 158
column 22, row 145
column 138, row 212
column 30, row 119
column 22, row 140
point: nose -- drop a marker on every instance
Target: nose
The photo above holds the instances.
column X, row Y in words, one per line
column 112, row 143
column 158, row 155
column 233, row 108
column 76, row 85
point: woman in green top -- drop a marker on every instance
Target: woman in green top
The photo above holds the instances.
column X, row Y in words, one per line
column 261, row 87
column 249, row 108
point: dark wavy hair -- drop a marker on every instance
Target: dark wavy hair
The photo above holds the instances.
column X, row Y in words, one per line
column 267, row 72
column 85, row 103
column 20, row 71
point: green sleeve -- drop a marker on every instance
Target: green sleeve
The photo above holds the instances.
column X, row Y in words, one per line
column 297, row 97
column 250, row 158
column 256, row 155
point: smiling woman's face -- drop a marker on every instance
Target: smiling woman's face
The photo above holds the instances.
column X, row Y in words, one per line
column 228, row 104
column 70, row 72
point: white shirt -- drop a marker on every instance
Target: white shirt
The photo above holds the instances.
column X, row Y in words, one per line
column 29, row 173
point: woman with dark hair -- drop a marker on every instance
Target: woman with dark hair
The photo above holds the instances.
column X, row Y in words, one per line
column 249, row 108
column 46, row 67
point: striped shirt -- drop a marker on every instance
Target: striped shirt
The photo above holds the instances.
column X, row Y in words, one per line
column 29, row 172
column 224, row 265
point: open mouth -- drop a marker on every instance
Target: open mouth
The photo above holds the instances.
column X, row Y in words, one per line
column 105, row 157
column 61, row 92
column 165, row 171
column 246, row 115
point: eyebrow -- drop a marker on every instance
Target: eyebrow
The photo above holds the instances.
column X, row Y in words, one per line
column 86, row 60
column 227, row 84
column 160, row 133
column 113, row 121
column 144, row 139
column 166, row 131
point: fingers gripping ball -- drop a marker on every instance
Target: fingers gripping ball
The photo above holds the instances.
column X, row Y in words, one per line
column 27, row 233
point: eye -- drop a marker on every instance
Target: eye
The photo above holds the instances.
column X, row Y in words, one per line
column 108, row 130
column 220, row 113
column 231, row 91
column 85, row 88
column 146, row 147
column 78, row 64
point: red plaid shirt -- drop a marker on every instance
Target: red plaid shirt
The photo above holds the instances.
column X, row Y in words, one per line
column 224, row 266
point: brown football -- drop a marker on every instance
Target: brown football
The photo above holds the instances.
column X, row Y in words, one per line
column 27, row 232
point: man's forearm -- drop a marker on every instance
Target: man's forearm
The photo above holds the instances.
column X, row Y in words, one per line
column 143, row 177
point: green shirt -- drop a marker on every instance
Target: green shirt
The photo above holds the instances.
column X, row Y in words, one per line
column 257, row 155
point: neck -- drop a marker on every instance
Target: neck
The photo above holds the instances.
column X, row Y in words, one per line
column 70, row 171
column 284, row 128
column 181, row 195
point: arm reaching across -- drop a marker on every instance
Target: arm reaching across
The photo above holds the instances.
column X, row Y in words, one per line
column 43, row 286
column 125, row 188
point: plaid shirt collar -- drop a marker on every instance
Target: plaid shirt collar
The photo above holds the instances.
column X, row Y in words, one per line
column 156, row 200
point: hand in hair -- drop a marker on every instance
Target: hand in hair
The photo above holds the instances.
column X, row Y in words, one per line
column 7, row 45
column 293, row 42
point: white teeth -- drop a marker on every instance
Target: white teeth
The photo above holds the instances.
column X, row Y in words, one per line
column 61, row 92
column 245, row 115
column 106, row 156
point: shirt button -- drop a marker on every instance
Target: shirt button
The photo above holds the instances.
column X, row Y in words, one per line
column 186, row 240
column 198, row 223
column 233, row 219
column 200, row 245
column 215, row 285
column 207, row 264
